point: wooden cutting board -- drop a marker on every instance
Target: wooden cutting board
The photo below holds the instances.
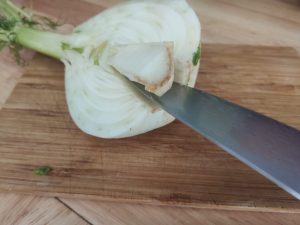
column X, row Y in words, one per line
column 172, row 165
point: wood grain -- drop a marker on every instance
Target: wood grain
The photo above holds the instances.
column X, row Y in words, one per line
column 102, row 213
column 172, row 165
column 25, row 210
column 10, row 72
column 257, row 22
column 267, row 22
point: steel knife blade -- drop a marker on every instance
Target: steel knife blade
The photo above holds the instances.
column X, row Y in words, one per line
column 268, row 146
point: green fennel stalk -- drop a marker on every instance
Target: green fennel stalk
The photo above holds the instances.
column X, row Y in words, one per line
column 18, row 28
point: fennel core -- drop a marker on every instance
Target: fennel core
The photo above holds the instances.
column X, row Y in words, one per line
column 21, row 29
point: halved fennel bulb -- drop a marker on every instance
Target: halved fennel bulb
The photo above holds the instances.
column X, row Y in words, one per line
column 151, row 42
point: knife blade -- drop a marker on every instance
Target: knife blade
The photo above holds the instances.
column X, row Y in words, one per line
column 266, row 145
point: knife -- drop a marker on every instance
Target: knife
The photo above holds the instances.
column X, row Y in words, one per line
column 266, row 145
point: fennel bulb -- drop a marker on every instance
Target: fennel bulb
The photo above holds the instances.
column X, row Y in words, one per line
column 152, row 42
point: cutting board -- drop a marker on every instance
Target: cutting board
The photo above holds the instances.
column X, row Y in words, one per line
column 172, row 165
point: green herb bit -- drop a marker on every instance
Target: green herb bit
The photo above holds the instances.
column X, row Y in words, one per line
column 197, row 56
column 29, row 22
column 50, row 23
column 7, row 24
column 66, row 46
column 16, row 49
column 42, row 171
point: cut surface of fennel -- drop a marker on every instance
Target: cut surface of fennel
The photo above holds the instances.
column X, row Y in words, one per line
column 150, row 64
column 100, row 100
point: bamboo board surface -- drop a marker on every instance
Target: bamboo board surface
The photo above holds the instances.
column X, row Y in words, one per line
column 172, row 165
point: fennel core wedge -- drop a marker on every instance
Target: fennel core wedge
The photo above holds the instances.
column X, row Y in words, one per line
column 154, row 47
